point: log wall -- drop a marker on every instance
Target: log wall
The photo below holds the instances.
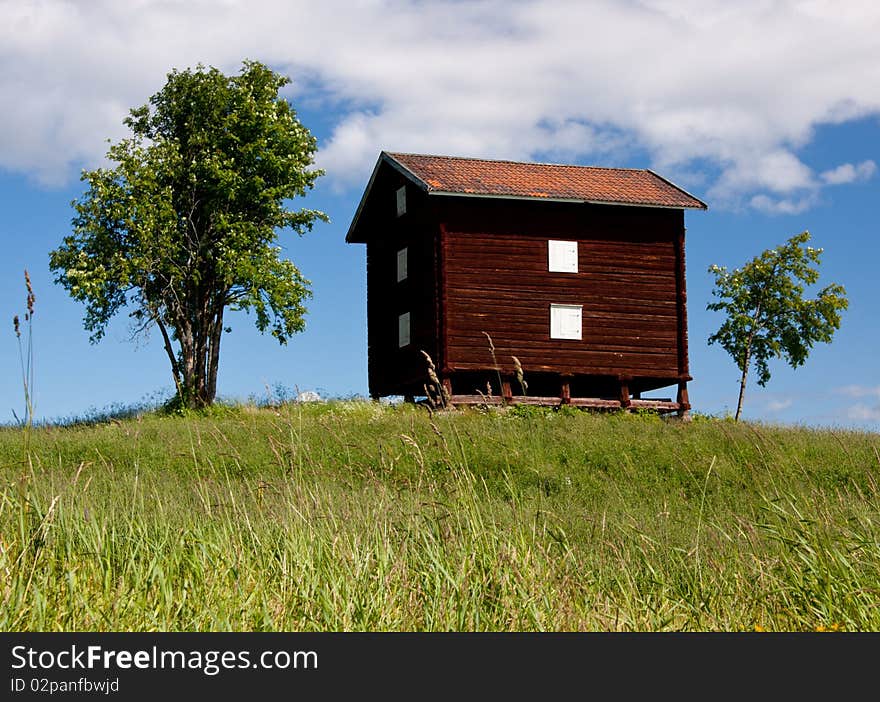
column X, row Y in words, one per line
column 629, row 281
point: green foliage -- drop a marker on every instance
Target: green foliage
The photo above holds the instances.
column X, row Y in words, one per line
column 344, row 516
column 766, row 313
column 184, row 225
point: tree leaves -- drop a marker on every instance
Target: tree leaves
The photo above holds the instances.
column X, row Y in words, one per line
column 186, row 222
column 767, row 314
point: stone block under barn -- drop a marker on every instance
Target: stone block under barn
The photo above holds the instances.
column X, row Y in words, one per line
column 508, row 282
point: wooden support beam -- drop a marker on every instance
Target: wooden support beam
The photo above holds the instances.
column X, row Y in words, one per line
column 506, row 392
column 624, row 392
column 476, row 400
column 595, row 403
column 662, row 406
column 565, row 390
column 684, row 404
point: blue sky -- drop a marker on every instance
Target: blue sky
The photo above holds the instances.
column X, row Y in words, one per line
column 767, row 111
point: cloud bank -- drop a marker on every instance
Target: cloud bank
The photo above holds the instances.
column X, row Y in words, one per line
column 714, row 94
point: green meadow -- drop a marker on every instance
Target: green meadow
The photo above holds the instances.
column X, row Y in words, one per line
column 355, row 516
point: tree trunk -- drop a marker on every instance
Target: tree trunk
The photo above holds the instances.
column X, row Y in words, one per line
column 214, row 355
column 199, row 359
column 742, row 382
column 198, row 329
column 746, row 360
column 169, row 349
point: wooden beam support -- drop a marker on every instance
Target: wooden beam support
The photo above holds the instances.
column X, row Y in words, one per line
column 475, row 400
column 684, row 404
column 624, row 391
column 656, row 405
column 443, row 306
column 596, row 403
column 506, row 392
column 565, row 390
column 681, row 294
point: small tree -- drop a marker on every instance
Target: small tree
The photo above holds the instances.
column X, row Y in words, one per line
column 766, row 312
column 184, row 225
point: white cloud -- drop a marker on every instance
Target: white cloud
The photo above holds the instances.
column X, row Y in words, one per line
column 779, row 405
column 860, row 391
column 848, row 173
column 770, row 205
column 722, row 91
column 863, row 413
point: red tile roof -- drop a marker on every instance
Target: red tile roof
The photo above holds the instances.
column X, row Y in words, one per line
column 481, row 177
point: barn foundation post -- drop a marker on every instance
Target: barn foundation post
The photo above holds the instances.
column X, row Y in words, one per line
column 565, row 390
column 446, row 391
column 506, row 392
column 624, row 393
column 684, row 405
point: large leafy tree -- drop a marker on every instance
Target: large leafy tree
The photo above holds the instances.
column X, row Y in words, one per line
column 184, row 226
column 767, row 313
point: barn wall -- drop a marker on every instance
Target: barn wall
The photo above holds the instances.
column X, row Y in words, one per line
column 628, row 282
column 393, row 370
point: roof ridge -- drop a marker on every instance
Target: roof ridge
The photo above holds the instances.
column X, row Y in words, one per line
column 517, row 163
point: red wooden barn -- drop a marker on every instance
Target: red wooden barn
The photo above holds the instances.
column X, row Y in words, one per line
column 577, row 273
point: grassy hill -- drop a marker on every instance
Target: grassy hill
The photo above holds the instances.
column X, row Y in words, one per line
column 356, row 516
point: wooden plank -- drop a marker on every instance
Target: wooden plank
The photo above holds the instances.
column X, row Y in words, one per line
column 485, row 298
column 482, row 284
column 583, row 402
column 560, row 366
column 510, row 260
column 664, row 405
column 493, row 242
column 595, row 403
column 475, row 400
column 444, row 299
column 536, row 262
column 682, row 305
column 573, row 349
column 513, row 334
column 627, row 317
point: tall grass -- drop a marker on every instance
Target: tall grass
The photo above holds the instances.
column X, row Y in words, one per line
column 356, row 516
column 26, row 358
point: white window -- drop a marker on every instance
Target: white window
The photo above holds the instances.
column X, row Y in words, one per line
column 566, row 322
column 403, row 330
column 401, row 201
column 563, row 256
column 401, row 264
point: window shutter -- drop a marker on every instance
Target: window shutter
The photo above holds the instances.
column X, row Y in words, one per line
column 403, row 330
column 566, row 322
column 401, row 264
column 562, row 256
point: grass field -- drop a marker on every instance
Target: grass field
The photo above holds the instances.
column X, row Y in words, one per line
column 355, row 516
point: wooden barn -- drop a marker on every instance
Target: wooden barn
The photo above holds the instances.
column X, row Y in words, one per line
column 574, row 274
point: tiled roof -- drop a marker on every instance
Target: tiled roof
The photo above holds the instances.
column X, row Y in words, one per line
column 481, row 177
